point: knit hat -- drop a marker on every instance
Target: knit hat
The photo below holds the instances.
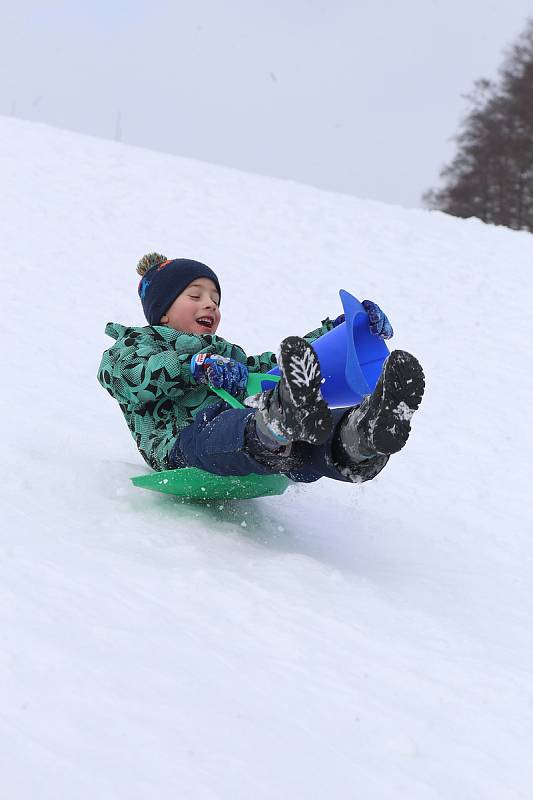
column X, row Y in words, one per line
column 163, row 280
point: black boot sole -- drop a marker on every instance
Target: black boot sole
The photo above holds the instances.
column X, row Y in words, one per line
column 387, row 421
column 307, row 416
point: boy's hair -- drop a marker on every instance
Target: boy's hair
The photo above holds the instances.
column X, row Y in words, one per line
column 163, row 280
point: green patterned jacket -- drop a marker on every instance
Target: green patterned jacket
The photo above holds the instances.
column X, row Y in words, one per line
column 147, row 371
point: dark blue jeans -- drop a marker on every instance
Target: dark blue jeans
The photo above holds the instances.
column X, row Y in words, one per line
column 218, row 441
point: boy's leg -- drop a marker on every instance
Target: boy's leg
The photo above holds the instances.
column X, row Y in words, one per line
column 382, row 422
column 225, row 441
column 294, row 411
column 237, row 442
column 364, row 437
column 328, row 461
column 222, row 440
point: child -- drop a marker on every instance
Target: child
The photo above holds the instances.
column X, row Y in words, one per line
column 159, row 375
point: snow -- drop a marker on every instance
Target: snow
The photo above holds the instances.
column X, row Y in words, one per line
column 369, row 641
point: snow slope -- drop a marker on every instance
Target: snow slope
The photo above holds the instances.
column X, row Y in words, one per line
column 340, row 642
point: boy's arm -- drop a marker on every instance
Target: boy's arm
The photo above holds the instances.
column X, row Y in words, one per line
column 265, row 361
column 143, row 367
column 259, row 363
column 325, row 326
column 262, row 362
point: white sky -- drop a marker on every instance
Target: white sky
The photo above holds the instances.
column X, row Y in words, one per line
column 360, row 97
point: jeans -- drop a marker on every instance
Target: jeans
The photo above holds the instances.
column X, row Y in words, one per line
column 221, row 440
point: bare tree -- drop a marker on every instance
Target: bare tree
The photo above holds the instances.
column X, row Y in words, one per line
column 491, row 175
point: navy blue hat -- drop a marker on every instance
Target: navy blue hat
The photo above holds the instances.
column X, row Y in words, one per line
column 164, row 281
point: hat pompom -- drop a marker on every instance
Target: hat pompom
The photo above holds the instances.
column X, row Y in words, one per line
column 150, row 260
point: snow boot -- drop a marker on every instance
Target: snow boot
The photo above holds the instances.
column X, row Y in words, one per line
column 294, row 411
column 381, row 424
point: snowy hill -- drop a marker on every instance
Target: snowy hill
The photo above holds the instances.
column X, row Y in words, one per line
column 343, row 641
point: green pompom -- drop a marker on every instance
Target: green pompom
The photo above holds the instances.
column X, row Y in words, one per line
column 150, row 260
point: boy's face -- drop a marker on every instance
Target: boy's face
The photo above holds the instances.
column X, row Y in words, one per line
column 195, row 310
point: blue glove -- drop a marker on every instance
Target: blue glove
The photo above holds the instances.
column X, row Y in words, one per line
column 220, row 372
column 378, row 321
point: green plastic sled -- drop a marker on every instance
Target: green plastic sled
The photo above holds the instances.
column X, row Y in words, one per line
column 196, row 484
column 200, row 485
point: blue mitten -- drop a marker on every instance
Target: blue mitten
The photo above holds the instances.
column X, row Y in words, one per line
column 220, row 372
column 378, row 321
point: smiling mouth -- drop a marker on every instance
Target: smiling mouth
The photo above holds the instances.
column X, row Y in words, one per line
column 206, row 322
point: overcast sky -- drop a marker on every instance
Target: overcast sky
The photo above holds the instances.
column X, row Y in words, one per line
column 356, row 96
